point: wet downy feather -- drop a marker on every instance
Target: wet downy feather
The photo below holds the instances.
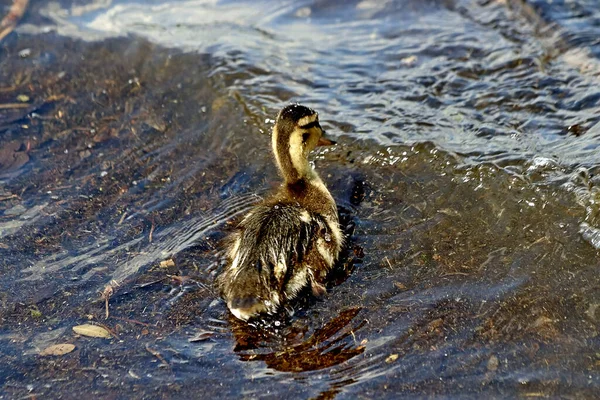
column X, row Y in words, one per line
column 271, row 248
column 292, row 240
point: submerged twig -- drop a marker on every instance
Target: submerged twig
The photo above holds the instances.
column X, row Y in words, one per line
column 143, row 285
column 122, row 218
column 201, row 336
column 389, row 263
column 13, row 105
column 16, row 12
column 8, row 89
column 151, row 232
column 132, row 321
column 156, row 354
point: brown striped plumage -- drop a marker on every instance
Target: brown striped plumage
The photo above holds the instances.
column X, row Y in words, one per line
column 291, row 240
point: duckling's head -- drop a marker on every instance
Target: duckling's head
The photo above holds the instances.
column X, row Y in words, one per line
column 296, row 133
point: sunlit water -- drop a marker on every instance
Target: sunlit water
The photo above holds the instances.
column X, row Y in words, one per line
column 465, row 171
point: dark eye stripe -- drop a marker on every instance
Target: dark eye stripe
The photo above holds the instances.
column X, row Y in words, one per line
column 311, row 125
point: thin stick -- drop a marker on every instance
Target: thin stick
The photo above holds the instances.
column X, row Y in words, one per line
column 9, row 22
column 14, row 105
column 388, row 261
column 157, row 355
column 132, row 321
column 151, row 232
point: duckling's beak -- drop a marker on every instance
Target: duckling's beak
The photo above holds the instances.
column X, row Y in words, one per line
column 323, row 141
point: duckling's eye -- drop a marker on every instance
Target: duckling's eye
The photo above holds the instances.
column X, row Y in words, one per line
column 305, row 137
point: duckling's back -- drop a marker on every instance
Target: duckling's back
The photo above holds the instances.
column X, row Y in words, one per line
column 277, row 250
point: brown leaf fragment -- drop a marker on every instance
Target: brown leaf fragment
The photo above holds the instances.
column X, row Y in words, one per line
column 201, row 336
column 58, row 349
column 92, row 331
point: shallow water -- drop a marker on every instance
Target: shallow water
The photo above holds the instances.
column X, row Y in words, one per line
column 465, row 172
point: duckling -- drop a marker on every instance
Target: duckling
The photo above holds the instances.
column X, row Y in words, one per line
column 291, row 240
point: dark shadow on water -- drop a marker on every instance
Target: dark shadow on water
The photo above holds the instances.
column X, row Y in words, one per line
column 326, row 347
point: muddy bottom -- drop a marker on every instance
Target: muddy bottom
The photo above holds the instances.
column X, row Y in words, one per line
column 124, row 164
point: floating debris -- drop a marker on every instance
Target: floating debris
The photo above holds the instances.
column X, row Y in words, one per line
column 107, row 292
column 409, row 61
column 201, row 336
column 25, row 53
column 58, row 349
column 391, row 358
column 167, row 263
column 92, row 331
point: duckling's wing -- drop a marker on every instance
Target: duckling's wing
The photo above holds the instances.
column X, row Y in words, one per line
column 274, row 242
